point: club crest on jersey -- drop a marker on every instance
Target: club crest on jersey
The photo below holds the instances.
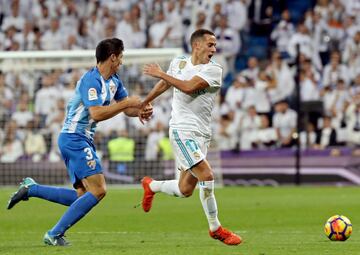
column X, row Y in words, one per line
column 92, row 94
column 91, row 164
column 182, row 65
column 112, row 88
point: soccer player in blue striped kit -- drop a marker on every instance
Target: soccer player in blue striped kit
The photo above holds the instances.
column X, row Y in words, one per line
column 91, row 103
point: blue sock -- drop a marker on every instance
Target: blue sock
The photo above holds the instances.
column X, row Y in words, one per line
column 58, row 195
column 76, row 211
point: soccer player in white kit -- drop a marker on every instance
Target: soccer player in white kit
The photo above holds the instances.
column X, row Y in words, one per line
column 196, row 81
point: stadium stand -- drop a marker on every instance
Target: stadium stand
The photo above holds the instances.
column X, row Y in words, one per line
column 260, row 73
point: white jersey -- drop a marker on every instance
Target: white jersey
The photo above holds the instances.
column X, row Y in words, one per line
column 193, row 112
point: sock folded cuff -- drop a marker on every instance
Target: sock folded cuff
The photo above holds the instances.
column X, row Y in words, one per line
column 207, row 184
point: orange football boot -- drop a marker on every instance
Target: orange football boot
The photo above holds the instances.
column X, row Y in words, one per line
column 226, row 236
column 148, row 194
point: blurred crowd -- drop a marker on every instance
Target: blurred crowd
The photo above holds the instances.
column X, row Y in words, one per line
column 257, row 108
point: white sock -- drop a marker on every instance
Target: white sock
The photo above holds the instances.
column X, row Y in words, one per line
column 170, row 187
column 208, row 201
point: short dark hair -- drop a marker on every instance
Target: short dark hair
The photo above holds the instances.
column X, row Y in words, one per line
column 107, row 47
column 199, row 34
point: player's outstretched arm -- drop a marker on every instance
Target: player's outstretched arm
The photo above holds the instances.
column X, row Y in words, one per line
column 157, row 90
column 188, row 87
column 99, row 113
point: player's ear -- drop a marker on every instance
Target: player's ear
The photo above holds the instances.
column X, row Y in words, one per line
column 112, row 57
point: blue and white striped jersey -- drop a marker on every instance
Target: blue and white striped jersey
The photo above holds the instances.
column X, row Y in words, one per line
column 91, row 90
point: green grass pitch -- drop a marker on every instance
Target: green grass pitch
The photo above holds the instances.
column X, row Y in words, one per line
column 286, row 220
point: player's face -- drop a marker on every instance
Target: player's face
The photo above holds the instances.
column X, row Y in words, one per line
column 207, row 48
column 116, row 62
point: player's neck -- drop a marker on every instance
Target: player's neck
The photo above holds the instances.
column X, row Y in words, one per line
column 104, row 70
column 195, row 60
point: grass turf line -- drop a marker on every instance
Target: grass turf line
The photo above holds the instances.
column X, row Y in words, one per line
column 285, row 220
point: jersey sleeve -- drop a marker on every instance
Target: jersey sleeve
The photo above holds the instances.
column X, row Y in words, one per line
column 90, row 91
column 170, row 69
column 212, row 74
column 121, row 91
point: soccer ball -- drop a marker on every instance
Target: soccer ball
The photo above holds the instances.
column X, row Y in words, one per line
column 338, row 228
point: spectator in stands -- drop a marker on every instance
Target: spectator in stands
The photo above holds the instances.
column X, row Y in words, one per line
column 228, row 43
column 303, row 39
column 54, row 122
column 34, row 144
column 336, row 102
column 351, row 53
column 71, row 43
column 201, row 21
column 69, row 84
column 46, row 97
column 327, row 135
column 43, row 18
column 6, row 100
column 12, row 148
column 240, row 95
column 84, row 39
column 124, row 30
column 281, row 73
column 310, row 71
column 216, row 15
column 226, row 134
column 282, row 33
column 157, row 31
column 249, row 125
column 308, row 136
column 322, row 7
column 284, row 121
column 353, row 123
column 175, row 30
column 156, row 134
column 184, row 9
column 260, row 14
column 352, row 9
column 14, row 18
column 237, row 13
column 266, row 136
column 110, row 27
column 12, row 39
column 320, row 34
column 34, row 40
column 96, row 24
column 308, row 87
column 335, row 71
column 263, row 88
column 23, row 114
column 355, row 87
column 252, row 70
column 53, row 39
column 350, row 26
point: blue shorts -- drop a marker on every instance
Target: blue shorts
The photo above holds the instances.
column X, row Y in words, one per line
column 80, row 157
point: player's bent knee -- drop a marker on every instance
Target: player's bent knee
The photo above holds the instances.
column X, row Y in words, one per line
column 187, row 192
column 99, row 193
column 207, row 176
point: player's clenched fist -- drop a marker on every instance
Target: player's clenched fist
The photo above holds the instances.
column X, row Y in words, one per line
column 145, row 113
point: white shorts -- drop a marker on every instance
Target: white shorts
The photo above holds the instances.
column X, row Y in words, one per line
column 190, row 147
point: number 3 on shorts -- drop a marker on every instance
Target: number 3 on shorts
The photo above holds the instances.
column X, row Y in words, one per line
column 89, row 155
